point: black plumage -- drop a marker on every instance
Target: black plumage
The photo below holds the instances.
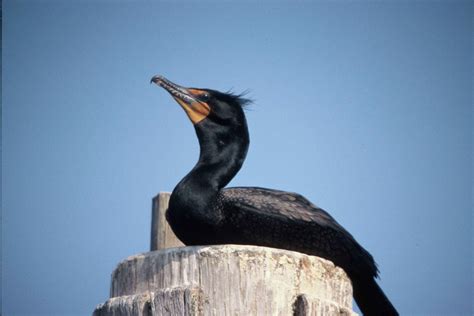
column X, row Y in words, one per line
column 203, row 212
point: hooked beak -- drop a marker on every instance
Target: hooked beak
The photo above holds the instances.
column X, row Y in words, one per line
column 188, row 98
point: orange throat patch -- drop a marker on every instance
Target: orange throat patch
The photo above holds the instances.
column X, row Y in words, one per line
column 196, row 111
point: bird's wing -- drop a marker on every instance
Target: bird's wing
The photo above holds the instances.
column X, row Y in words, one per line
column 280, row 204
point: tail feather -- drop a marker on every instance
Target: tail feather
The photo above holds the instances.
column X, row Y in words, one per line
column 370, row 298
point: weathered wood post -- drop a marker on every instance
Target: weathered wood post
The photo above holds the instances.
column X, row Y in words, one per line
column 223, row 280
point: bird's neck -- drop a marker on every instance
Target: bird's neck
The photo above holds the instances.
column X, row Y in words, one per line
column 222, row 154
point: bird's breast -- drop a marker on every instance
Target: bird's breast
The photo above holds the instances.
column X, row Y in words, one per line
column 192, row 226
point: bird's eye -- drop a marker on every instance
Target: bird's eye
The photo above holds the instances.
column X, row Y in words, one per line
column 205, row 97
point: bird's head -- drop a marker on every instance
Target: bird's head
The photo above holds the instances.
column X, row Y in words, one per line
column 220, row 126
column 224, row 109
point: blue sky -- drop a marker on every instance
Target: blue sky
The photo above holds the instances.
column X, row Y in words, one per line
column 363, row 107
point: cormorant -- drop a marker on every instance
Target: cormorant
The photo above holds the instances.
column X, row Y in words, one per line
column 202, row 212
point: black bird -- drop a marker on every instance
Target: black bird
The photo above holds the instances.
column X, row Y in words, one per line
column 202, row 212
